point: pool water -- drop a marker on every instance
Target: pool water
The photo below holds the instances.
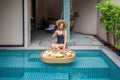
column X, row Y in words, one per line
column 26, row 65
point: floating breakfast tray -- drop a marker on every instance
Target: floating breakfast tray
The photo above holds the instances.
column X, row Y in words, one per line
column 58, row 56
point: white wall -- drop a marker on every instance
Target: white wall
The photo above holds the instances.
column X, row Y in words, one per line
column 87, row 21
column 101, row 32
column 117, row 1
column 11, row 22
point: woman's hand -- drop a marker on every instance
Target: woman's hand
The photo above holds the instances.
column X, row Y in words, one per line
column 55, row 34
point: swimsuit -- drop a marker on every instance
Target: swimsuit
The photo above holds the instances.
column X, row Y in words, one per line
column 60, row 39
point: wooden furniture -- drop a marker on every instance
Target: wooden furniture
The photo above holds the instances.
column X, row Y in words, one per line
column 58, row 56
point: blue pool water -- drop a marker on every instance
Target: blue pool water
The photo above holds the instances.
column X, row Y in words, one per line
column 26, row 65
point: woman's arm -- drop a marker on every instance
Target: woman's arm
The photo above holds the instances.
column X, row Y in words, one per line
column 54, row 34
column 65, row 40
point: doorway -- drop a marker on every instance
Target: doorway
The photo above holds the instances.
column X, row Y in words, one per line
column 44, row 13
column 48, row 11
column 33, row 15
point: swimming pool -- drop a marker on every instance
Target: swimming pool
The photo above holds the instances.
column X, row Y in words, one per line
column 26, row 65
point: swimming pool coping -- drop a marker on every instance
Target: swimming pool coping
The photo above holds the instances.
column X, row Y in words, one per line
column 114, row 57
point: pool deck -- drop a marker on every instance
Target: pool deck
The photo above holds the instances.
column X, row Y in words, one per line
column 45, row 40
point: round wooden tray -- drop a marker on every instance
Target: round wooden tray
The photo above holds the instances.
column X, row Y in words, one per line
column 68, row 56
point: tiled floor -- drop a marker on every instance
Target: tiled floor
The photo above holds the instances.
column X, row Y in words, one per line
column 43, row 40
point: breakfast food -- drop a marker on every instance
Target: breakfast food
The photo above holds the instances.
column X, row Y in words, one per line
column 58, row 56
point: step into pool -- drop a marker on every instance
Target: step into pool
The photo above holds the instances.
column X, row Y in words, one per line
column 26, row 65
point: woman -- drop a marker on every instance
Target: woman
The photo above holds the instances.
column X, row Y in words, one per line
column 61, row 35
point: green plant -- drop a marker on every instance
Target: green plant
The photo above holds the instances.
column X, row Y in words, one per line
column 117, row 34
column 116, row 30
column 106, row 8
column 118, row 46
column 110, row 19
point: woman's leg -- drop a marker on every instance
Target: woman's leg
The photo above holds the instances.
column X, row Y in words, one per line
column 53, row 46
column 59, row 46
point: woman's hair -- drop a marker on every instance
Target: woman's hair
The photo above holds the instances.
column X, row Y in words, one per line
column 61, row 23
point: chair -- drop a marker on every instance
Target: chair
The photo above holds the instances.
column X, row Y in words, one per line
column 50, row 29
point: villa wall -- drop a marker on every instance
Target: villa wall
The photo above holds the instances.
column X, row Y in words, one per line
column 101, row 32
column 87, row 21
column 11, row 22
column 117, row 1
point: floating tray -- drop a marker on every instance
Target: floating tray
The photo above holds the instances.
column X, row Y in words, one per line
column 58, row 56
